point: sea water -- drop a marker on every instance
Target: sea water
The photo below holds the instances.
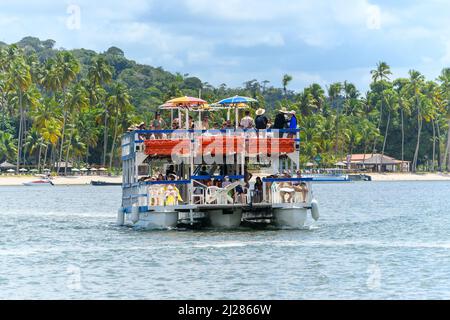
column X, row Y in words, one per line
column 374, row 240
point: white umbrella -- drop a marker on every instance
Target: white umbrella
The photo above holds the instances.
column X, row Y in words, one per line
column 93, row 169
column 34, row 170
column 46, row 170
column 84, row 169
column 23, row 170
column 10, row 170
column 310, row 164
column 75, row 170
column 340, row 164
column 102, row 169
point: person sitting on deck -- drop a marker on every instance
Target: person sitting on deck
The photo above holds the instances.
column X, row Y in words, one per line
column 170, row 171
column 286, row 188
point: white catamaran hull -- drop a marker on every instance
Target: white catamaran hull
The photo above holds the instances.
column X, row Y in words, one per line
column 294, row 218
column 225, row 219
column 151, row 220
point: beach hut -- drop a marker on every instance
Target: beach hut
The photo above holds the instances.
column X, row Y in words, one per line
column 6, row 166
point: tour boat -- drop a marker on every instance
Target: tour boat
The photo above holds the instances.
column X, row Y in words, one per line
column 196, row 159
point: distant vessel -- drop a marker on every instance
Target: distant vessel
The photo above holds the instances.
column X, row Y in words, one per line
column 104, row 183
column 40, row 182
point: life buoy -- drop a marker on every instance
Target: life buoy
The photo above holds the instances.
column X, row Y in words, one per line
column 315, row 209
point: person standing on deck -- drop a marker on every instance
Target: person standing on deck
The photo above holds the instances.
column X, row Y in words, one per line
column 281, row 122
column 292, row 124
column 158, row 124
column 247, row 122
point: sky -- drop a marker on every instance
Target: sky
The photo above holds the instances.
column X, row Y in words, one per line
column 233, row 41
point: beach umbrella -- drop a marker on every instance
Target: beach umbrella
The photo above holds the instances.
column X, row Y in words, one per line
column 10, row 170
column 47, row 170
column 84, row 169
column 34, row 170
column 186, row 103
column 310, row 164
column 75, row 170
column 102, row 169
column 236, row 102
column 340, row 164
column 23, row 170
column 93, row 169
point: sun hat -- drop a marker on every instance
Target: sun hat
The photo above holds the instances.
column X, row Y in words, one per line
column 260, row 112
column 284, row 110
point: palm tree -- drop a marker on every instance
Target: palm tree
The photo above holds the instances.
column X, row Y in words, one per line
column 77, row 100
column 382, row 72
column 444, row 79
column 119, row 101
column 100, row 73
column 68, row 68
column 20, row 81
column 415, row 87
column 391, row 99
column 8, row 146
column 286, row 80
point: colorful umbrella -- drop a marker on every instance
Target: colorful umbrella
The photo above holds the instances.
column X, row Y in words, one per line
column 237, row 102
column 187, row 103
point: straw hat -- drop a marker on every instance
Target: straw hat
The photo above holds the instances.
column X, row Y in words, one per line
column 292, row 112
column 260, row 112
column 284, row 110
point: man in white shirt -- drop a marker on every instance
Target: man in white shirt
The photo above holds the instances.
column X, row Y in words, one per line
column 247, row 122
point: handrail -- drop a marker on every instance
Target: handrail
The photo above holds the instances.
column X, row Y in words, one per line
column 286, row 179
column 214, row 130
column 220, row 178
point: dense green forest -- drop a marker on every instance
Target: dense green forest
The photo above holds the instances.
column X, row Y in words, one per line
column 73, row 105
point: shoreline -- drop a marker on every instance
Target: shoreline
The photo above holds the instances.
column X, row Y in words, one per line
column 86, row 180
column 58, row 181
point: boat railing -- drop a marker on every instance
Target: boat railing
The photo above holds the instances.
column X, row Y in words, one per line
column 287, row 190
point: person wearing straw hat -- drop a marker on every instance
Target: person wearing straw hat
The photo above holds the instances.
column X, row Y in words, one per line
column 281, row 122
column 261, row 120
column 292, row 124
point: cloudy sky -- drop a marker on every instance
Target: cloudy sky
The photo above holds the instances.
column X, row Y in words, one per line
column 231, row 41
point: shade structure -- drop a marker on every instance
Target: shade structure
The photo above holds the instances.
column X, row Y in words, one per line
column 310, row 164
column 102, row 169
column 75, row 170
column 340, row 164
column 84, row 169
column 186, row 101
column 46, row 170
column 23, row 170
column 236, row 102
column 93, row 169
column 7, row 165
column 34, row 170
column 10, row 170
column 187, row 104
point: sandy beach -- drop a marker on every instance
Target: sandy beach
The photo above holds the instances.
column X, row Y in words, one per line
column 62, row 181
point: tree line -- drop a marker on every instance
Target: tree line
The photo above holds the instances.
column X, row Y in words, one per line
column 71, row 106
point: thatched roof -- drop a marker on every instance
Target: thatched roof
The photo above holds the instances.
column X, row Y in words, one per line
column 7, row 165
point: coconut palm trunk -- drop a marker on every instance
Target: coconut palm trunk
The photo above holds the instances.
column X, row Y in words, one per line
column 19, row 140
column 105, row 138
column 62, row 142
column 385, row 137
